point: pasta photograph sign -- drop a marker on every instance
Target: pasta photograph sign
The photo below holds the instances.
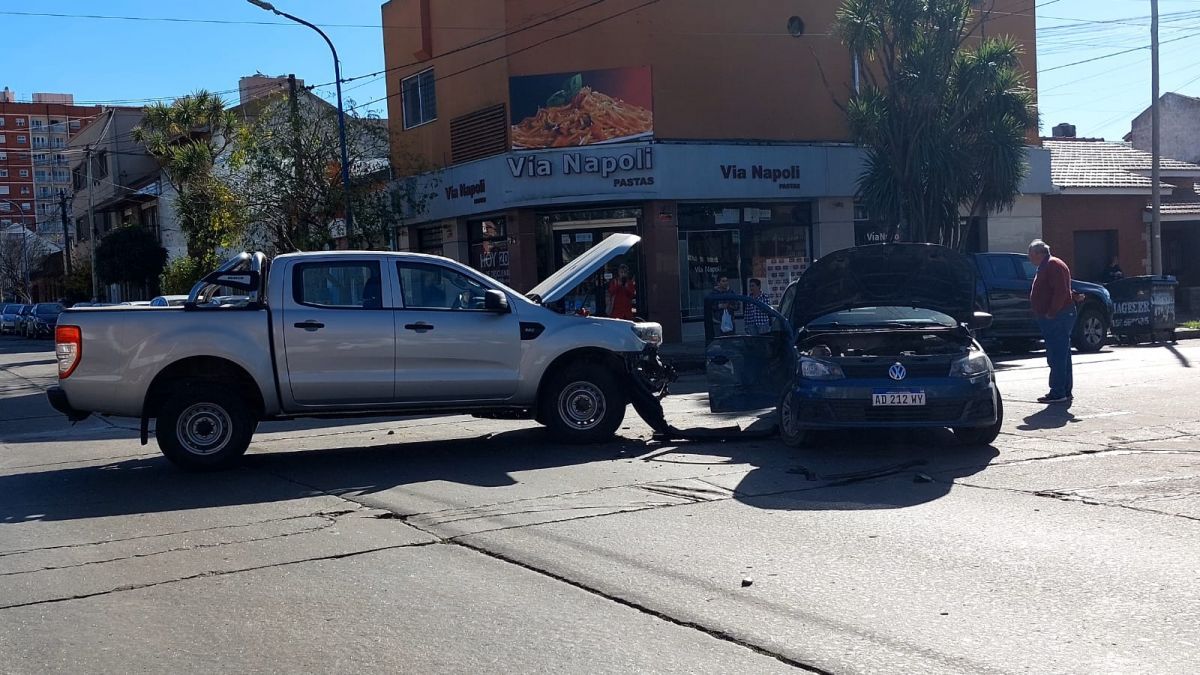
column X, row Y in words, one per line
column 562, row 110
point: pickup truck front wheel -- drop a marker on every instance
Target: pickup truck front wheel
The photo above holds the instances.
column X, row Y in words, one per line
column 201, row 426
column 583, row 404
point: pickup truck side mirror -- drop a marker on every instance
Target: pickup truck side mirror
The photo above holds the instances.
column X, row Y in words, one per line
column 495, row 301
column 980, row 321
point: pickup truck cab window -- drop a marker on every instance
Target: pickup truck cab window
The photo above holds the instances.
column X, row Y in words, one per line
column 427, row 286
column 341, row 285
column 1029, row 268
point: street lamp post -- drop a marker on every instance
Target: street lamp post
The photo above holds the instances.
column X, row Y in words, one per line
column 337, row 76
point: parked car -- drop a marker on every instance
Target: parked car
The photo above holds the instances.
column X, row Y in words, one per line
column 22, row 318
column 876, row 336
column 42, row 319
column 9, row 317
column 135, row 303
column 1005, row 280
column 347, row 333
column 169, row 301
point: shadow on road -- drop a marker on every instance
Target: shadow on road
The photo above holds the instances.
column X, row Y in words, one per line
column 1050, row 417
column 152, row 485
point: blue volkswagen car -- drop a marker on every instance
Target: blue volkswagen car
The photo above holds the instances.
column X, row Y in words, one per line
column 877, row 336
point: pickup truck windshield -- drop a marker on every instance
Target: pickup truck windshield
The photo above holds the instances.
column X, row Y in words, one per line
column 871, row 317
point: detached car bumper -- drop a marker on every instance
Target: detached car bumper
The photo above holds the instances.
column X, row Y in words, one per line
column 847, row 404
column 58, row 401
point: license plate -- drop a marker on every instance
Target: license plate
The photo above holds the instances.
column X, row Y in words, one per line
column 897, row 398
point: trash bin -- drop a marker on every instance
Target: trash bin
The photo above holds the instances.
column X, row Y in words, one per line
column 1143, row 309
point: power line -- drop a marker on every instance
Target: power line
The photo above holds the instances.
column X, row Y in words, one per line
column 1111, row 55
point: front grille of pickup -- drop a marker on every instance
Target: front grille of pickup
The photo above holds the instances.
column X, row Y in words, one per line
column 879, row 369
column 863, row 411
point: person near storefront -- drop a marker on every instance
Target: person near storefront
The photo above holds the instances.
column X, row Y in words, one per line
column 622, row 295
column 758, row 322
column 1112, row 272
column 725, row 310
column 1054, row 308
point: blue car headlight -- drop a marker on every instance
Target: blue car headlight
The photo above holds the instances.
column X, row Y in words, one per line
column 812, row 369
column 972, row 365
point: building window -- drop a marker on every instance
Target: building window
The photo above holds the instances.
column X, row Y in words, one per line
column 3, row 173
column 24, row 189
column 3, row 191
column 420, row 100
column 23, row 173
column 1, row 121
column 489, row 247
column 21, row 139
column 26, row 206
column 2, row 139
column 3, row 155
column 39, row 176
column 20, row 121
column 36, row 124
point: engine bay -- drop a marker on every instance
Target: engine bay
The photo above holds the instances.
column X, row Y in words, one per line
column 885, row 343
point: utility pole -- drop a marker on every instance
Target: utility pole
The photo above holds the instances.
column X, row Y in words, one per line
column 92, row 225
column 1156, row 262
column 62, row 214
column 298, row 168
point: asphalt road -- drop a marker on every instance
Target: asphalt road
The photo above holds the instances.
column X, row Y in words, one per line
column 460, row 545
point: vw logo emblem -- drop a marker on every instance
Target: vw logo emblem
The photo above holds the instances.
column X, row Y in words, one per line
column 897, row 372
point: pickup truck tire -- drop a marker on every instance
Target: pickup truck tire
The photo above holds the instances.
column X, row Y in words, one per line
column 203, row 426
column 977, row 436
column 1090, row 330
column 583, row 403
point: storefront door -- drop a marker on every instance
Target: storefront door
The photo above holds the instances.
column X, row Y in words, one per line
column 612, row 292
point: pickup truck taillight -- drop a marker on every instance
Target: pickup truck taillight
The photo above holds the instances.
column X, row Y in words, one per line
column 68, row 347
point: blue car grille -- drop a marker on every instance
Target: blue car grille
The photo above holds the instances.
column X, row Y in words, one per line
column 879, row 369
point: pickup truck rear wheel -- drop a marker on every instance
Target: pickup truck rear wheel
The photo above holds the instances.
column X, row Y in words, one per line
column 202, row 426
column 583, row 404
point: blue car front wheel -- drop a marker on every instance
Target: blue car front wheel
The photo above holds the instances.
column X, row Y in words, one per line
column 788, row 414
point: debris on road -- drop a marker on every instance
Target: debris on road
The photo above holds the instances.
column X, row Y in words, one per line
column 747, row 581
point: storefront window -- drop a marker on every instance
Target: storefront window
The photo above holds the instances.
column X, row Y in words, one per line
column 489, row 247
column 614, row 291
column 768, row 242
column 431, row 239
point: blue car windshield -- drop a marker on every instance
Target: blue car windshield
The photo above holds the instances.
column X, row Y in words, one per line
column 48, row 308
column 882, row 317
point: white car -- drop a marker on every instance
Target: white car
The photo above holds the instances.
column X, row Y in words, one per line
column 169, row 301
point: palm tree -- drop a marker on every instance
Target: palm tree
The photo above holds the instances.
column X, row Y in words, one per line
column 944, row 125
column 188, row 137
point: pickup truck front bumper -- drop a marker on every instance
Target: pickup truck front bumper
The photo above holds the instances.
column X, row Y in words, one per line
column 58, row 401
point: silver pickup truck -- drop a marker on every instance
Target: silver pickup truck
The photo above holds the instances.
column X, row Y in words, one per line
column 348, row 333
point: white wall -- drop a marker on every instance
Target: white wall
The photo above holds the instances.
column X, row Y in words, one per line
column 834, row 229
column 1012, row 230
column 171, row 236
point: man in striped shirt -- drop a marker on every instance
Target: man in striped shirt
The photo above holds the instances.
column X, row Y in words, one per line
column 758, row 322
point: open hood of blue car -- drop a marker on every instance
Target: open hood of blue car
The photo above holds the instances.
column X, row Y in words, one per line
column 887, row 275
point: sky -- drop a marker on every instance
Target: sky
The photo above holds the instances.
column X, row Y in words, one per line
column 131, row 61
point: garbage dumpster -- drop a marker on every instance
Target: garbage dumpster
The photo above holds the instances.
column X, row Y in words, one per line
column 1144, row 309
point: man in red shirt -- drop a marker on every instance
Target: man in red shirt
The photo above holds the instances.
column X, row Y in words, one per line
column 622, row 295
column 1054, row 308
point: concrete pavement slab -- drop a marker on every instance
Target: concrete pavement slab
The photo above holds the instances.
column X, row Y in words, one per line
column 428, row 609
column 877, row 577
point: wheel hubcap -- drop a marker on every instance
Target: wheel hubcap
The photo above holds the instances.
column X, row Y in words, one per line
column 1093, row 330
column 788, row 415
column 203, row 429
column 581, row 405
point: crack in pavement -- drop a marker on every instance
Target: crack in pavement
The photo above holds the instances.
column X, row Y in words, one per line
column 325, row 524
column 216, row 573
column 1069, row 497
column 712, row 632
column 269, row 521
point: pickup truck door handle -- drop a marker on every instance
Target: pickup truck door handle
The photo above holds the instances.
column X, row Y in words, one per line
column 419, row 327
column 310, row 325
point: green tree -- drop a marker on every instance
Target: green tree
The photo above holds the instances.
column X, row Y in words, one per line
column 130, row 255
column 191, row 139
column 181, row 274
column 942, row 113
column 288, row 164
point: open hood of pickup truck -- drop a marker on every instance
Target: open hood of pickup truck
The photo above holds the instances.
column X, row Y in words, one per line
column 562, row 282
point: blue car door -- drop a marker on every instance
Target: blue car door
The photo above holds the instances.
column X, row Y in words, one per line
column 751, row 356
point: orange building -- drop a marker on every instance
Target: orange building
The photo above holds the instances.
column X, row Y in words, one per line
column 713, row 129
